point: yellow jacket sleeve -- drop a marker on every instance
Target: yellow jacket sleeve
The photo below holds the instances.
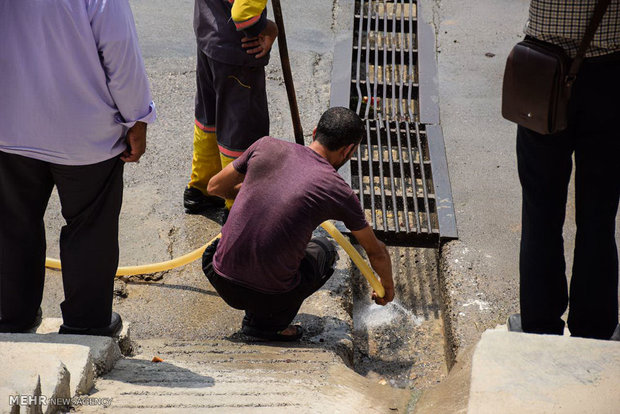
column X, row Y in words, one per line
column 248, row 15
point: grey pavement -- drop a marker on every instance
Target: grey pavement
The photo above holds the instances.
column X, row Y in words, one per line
column 520, row 373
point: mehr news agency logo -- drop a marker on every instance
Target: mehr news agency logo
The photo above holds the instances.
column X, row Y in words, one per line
column 33, row 400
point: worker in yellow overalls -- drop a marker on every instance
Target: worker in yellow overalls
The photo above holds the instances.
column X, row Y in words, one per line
column 234, row 38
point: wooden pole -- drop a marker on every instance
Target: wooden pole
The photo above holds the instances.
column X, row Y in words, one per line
column 286, row 70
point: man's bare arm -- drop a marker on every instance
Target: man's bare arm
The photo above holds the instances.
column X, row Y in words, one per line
column 226, row 183
column 379, row 260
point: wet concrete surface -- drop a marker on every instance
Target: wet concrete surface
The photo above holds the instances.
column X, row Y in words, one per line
column 402, row 343
column 404, row 349
column 153, row 225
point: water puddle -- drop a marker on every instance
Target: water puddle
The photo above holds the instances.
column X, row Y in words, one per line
column 401, row 344
column 393, row 313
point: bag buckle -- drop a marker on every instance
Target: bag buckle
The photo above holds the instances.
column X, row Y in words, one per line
column 570, row 79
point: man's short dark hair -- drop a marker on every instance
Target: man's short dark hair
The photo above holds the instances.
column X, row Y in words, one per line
column 339, row 127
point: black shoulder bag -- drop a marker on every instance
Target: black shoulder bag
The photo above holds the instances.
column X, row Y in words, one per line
column 538, row 79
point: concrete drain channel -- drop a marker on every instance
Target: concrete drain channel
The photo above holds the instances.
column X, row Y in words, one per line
column 385, row 70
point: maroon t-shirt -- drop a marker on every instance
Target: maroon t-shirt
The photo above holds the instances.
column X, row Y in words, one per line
column 287, row 192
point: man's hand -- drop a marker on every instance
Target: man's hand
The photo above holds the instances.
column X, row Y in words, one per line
column 379, row 260
column 136, row 142
column 226, row 183
column 387, row 298
column 261, row 45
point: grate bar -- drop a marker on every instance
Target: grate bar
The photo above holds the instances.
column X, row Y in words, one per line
column 393, row 192
column 413, row 181
column 424, row 186
column 371, row 181
column 403, row 188
column 382, row 178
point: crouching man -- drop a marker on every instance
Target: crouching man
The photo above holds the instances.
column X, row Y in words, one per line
column 267, row 262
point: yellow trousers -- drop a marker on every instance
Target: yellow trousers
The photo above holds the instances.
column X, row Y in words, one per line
column 207, row 161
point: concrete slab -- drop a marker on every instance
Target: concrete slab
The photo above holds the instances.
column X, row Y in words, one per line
column 224, row 376
column 5, row 396
column 28, row 357
column 52, row 325
column 103, row 351
column 522, row 373
column 34, row 375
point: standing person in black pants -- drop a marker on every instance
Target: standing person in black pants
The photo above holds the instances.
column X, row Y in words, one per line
column 234, row 39
column 74, row 105
column 545, row 163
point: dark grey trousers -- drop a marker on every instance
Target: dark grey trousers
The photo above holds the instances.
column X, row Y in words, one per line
column 91, row 197
column 275, row 311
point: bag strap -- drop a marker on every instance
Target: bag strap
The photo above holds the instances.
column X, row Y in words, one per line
column 599, row 11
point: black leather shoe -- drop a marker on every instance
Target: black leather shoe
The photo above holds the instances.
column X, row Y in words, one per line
column 277, row 336
column 225, row 216
column 196, row 202
column 113, row 329
column 514, row 323
column 23, row 328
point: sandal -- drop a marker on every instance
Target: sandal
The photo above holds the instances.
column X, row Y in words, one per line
column 273, row 336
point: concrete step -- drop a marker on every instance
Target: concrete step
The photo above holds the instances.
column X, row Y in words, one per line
column 520, row 373
column 226, row 377
column 52, row 325
column 42, row 371
column 510, row 372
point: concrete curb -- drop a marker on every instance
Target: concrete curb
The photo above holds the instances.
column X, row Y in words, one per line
column 511, row 372
column 51, row 326
column 31, row 383
column 522, row 373
column 42, row 371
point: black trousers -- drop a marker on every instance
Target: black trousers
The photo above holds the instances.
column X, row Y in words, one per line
column 545, row 164
column 274, row 312
column 91, row 197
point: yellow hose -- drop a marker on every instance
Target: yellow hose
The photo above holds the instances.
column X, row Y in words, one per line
column 356, row 257
column 191, row 256
column 149, row 268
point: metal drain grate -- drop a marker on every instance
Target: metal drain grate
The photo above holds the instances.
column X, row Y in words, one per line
column 400, row 172
column 392, row 178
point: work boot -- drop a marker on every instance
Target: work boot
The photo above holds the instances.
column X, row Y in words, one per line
column 195, row 202
column 113, row 329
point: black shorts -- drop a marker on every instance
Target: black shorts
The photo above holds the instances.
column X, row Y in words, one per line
column 231, row 101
